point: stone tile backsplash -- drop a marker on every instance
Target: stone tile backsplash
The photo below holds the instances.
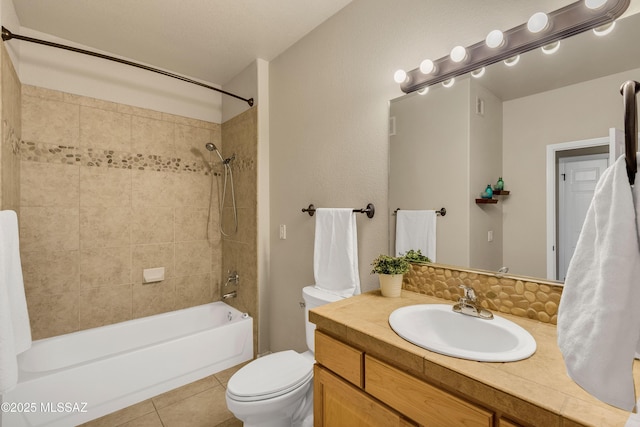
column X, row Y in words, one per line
column 520, row 296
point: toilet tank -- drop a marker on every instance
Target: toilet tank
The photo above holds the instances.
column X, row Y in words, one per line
column 314, row 297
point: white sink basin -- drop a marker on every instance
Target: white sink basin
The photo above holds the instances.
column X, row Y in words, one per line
column 437, row 328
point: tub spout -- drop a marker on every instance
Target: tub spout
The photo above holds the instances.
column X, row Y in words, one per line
column 230, row 295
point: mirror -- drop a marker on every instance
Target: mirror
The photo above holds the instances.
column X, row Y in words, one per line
column 447, row 145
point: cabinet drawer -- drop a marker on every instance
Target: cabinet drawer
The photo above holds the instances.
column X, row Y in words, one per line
column 342, row 359
column 339, row 404
column 422, row 402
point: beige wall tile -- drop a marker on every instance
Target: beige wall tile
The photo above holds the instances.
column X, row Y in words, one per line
column 193, row 189
column 151, row 225
column 193, row 290
column 50, row 272
column 104, row 187
column 49, row 184
column 105, row 227
column 190, row 142
column 43, row 93
column 105, row 305
column 52, row 315
column 49, row 228
column 152, row 256
column 150, row 188
column 152, row 136
column 105, row 266
column 137, row 111
column 52, row 122
column 102, row 129
column 154, row 298
column 191, row 224
column 193, row 258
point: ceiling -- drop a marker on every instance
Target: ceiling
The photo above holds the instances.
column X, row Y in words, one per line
column 210, row 40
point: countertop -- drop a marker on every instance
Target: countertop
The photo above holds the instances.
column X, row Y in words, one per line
column 536, row 390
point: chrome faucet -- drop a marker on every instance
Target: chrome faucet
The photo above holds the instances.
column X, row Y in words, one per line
column 232, row 294
column 232, row 277
column 468, row 305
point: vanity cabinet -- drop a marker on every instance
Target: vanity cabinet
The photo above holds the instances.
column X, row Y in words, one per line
column 353, row 388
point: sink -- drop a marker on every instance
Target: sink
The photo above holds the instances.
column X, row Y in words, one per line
column 437, row 328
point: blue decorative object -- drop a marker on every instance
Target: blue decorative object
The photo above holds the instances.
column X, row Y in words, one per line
column 488, row 192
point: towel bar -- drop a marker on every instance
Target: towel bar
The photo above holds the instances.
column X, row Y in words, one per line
column 441, row 212
column 370, row 210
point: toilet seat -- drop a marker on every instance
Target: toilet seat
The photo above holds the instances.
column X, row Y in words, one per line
column 270, row 376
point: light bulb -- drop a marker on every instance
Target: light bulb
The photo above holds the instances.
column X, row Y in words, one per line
column 495, row 39
column 449, row 83
column 551, row 47
column 538, row 22
column 427, row 66
column 478, row 73
column 423, row 91
column 594, row 4
column 400, row 76
column 605, row 29
column 458, row 54
column 512, row 61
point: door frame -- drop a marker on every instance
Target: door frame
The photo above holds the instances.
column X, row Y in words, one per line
column 551, row 192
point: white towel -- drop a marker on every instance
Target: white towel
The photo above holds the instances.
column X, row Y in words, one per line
column 15, row 333
column 416, row 230
column 599, row 313
column 335, row 256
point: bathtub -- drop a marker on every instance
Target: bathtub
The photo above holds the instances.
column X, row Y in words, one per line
column 74, row 378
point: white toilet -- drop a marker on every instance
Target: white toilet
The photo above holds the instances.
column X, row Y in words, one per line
column 277, row 390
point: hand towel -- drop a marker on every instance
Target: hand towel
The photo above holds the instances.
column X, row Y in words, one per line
column 335, row 256
column 598, row 316
column 416, row 230
column 15, row 332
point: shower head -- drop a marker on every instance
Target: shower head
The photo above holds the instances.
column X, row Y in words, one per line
column 211, row 147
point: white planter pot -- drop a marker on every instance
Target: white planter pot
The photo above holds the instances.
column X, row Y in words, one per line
column 390, row 284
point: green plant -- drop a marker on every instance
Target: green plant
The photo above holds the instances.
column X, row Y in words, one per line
column 384, row 264
column 416, row 257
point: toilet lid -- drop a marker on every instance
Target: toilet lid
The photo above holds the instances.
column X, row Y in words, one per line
column 270, row 376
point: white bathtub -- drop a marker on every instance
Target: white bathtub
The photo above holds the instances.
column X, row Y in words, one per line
column 74, row 378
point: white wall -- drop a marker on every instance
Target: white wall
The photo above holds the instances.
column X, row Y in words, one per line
column 485, row 166
column 429, row 156
column 577, row 112
column 329, row 104
column 84, row 75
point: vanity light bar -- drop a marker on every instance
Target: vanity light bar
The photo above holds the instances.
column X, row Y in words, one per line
column 562, row 23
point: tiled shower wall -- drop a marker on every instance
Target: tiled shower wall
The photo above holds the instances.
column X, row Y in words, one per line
column 107, row 190
column 240, row 249
column 11, row 131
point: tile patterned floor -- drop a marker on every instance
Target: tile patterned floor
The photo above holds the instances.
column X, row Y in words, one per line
column 198, row 404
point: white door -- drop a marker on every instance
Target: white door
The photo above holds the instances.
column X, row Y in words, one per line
column 578, row 177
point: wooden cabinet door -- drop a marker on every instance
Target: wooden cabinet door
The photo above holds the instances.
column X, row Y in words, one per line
column 339, row 404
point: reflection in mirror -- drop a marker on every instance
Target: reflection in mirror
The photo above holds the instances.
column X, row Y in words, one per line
column 448, row 144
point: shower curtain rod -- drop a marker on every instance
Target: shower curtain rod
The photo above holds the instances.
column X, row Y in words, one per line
column 8, row 35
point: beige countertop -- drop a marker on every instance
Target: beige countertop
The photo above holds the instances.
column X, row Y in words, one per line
column 536, row 390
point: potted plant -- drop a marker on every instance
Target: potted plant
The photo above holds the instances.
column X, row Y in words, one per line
column 416, row 257
column 390, row 271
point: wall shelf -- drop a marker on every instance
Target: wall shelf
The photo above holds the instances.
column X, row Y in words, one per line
column 492, row 201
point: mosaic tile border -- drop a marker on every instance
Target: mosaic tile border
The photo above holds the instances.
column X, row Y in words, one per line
column 61, row 154
column 519, row 296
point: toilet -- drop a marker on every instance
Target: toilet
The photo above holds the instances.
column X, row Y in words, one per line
column 277, row 390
